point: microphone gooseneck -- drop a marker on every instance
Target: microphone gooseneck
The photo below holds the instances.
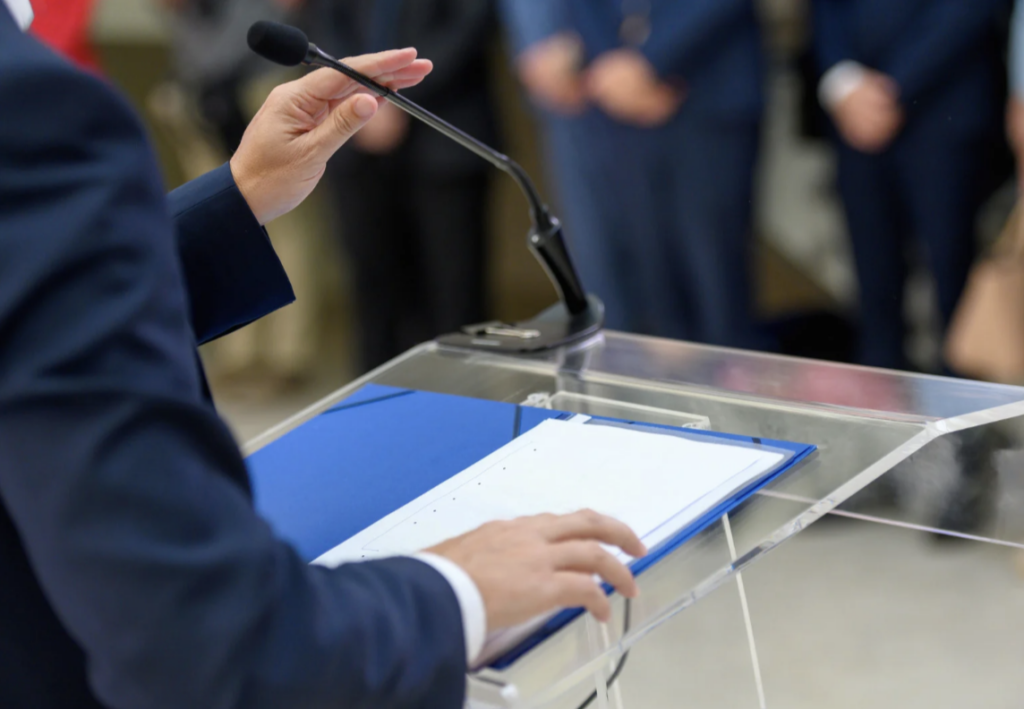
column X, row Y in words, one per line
column 289, row 46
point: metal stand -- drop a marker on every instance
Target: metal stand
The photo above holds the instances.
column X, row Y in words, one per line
column 552, row 329
column 576, row 318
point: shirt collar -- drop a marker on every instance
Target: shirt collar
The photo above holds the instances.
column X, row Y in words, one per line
column 21, row 10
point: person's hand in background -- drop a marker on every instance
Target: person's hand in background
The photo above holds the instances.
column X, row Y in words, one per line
column 385, row 131
column 625, row 85
column 870, row 117
column 533, row 565
column 285, row 149
column 550, row 71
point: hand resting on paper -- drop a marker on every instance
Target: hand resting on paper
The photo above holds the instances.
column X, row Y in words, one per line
column 533, row 565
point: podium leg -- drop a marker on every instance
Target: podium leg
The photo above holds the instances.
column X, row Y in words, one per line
column 755, row 663
column 607, row 697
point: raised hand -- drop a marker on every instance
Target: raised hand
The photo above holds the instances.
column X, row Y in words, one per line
column 285, row 149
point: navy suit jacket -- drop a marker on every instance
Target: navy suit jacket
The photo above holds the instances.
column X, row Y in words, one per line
column 133, row 570
column 714, row 46
column 943, row 54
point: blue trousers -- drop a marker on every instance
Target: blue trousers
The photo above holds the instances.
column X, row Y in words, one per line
column 924, row 192
column 659, row 222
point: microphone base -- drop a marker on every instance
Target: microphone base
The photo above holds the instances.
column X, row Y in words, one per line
column 551, row 329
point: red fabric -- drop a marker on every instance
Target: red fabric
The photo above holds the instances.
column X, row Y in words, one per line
column 64, row 26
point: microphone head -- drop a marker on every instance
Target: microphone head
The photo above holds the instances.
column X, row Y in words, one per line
column 281, row 44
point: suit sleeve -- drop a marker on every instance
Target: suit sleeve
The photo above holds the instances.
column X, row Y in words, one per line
column 530, row 21
column 122, row 484
column 684, row 35
column 938, row 41
column 232, row 273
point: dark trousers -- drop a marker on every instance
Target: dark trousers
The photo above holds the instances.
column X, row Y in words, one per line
column 416, row 244
column 660, row 222
column 925, row 192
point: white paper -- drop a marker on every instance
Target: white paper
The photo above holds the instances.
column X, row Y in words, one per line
column 655, row 483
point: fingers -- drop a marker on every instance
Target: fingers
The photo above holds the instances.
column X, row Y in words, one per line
column 871, row 117
column 590, row 558
column 574, row 590
column 599, row 83
column 382, row 64
column 415, row 72
column 411, row 76
column 399, row 83
column 888, row 85
column 590, row 525
column 343, row 122
column 383, row 67
column 876, row 132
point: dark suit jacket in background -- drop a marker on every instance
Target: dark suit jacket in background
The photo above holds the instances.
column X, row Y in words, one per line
column 714, row 46
column 927, row 186
column 943, row 54
column 659, row 219
column 455, row 35
column 133, row 570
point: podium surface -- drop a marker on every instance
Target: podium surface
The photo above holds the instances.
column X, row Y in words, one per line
column 885, row 571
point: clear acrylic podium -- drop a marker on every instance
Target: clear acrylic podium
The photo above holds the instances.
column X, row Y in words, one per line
column 908, row 592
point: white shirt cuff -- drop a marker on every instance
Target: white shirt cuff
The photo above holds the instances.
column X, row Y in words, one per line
column 839, row 82
column 471, row 603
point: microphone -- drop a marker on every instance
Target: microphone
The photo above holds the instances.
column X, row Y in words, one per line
column 281, row 44
column 584, row 316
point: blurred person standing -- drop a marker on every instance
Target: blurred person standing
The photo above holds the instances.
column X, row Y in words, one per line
column 912, row 89
column 411, row 203
column 652, row 110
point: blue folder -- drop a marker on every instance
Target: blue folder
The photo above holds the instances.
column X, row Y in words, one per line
column 383, row 447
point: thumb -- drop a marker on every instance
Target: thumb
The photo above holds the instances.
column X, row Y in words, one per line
column 343, row 122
